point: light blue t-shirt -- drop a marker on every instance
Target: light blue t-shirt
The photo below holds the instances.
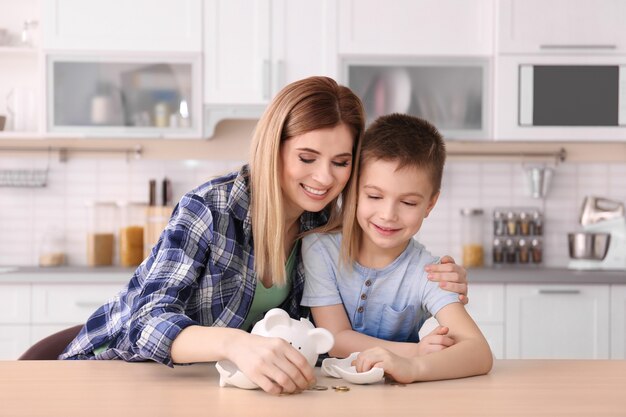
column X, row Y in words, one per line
column 390, row 303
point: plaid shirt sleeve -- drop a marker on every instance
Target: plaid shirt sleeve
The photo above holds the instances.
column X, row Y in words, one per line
column 158, row 311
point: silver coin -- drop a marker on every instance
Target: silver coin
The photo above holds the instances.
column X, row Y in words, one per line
column 318, row 388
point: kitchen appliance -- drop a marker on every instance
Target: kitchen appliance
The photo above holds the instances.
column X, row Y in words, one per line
column 602, row 244
column 561, row 97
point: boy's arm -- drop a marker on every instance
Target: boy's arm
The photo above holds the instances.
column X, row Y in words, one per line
column 469, row 356
column 334, row 319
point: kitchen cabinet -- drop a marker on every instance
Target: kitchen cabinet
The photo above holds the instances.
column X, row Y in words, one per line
column 557, row 321
column 453, row 94
column 618, row 322
column 254, row 48
column 561, row 26
column 124, row 95
column 119, row 25
column 416, row 27
column 35, row 310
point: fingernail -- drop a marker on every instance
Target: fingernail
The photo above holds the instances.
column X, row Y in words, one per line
column 430, row 276
column 443, row 284
column 428, row 269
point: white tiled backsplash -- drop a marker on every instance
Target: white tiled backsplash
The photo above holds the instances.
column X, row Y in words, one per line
column 26, row 214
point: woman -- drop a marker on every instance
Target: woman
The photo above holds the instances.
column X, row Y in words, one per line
column 207, row 279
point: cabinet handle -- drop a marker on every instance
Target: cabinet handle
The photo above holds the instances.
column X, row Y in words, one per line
column 280, row 76
column 559, row 291
column 90, row 304
column 573, row 46
column 266, row 79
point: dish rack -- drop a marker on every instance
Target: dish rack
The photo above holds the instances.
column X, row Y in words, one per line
column 24, row 178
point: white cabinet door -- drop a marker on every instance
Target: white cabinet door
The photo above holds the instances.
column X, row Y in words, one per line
column 69, row 304
column 530, row 26
column 486, row 306
column 557, row 322
column 120, row 25
column 304, row 40
column 14, row 340
column 237, row 65
column 416, row 27
column 618, row 322
column 15, row 305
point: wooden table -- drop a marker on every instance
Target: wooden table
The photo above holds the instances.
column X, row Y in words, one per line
column 115, row 388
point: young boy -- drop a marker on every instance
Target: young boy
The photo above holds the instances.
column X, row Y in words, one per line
column 368, row 286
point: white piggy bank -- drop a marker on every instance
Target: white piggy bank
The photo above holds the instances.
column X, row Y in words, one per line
column 302, row 335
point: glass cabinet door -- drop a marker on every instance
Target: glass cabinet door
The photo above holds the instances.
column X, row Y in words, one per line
column 452, row 95
column 124, row 96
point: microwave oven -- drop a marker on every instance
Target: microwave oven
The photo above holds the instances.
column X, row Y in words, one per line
column 561, row 98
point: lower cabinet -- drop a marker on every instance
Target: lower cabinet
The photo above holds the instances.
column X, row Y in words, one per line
column 33, row 311
column 618, row 322
column 557, row 321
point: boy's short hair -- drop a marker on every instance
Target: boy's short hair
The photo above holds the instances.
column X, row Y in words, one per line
column 411, row 141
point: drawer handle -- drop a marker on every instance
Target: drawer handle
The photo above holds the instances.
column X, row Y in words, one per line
column 591, row 46
column 559, row 291
column 90, row 304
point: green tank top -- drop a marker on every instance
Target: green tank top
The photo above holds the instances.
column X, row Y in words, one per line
column 268, row 298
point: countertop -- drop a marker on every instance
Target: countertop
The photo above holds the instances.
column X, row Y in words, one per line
column 495, row 275
column 106, row 388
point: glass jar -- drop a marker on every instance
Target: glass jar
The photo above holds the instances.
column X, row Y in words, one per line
column 511, row 223
column 498, row 251
column 537, row 223
column 499, row 223
column 472, row 237
column 133, row 220
column 536, row 251
column 510, row 251
column 52, row 248
column 102, row 224
column 524, row 223
column 523, row 251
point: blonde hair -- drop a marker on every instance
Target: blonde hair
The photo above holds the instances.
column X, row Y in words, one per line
column 303, row 106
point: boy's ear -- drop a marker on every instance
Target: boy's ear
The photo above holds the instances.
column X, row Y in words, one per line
column 432, row 202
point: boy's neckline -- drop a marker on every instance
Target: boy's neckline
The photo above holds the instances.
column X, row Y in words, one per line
column 380, row 266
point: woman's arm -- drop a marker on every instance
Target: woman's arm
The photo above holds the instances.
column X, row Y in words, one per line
column 469, row 356
column 451, row 277
column 334, row 319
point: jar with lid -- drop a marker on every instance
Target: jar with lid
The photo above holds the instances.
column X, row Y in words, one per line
column 523, row 251
column 498, row 251
column 510, row 251
column 536, row 251
column 524, row 223
column 102, row 224
column 133, row 220
column 472, row 237
column 537, row 223
column 499, row 223
column 52, row 248
column 511, row 223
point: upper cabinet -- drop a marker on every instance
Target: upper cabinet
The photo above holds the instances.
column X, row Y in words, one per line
column 119, row 25
column 416, row 27
column 253, row 48
column 561, row 26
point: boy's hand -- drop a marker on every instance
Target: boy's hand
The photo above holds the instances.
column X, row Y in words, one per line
column 434, row 341
column 450, row 276
column 399, row 368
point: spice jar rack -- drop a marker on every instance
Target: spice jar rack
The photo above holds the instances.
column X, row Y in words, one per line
column 517, row 236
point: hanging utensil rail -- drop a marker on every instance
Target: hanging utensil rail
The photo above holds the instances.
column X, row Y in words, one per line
column 63, row 151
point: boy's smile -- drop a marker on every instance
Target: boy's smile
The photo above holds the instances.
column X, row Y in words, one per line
column 392, row 204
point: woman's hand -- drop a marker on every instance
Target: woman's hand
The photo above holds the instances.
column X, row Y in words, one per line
column 399, row 368
column 450, row 276
column 434, row 341
column 272, row 363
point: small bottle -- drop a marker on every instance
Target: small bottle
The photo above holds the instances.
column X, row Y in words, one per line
column 537, row 223
column 524, row 224
column 511, row 223
column 511, row 250
column 536, row 251
column 498, row 251
column 499, row 224
column 523, row 251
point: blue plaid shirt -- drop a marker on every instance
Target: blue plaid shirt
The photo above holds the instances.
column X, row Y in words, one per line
column 200, row 272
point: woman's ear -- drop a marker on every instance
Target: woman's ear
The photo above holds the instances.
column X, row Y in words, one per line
column 432, row 202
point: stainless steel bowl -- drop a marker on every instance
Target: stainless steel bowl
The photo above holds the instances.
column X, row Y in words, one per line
column 592, row 246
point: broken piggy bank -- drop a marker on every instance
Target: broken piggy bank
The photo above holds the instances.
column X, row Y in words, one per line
column 302, row 335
